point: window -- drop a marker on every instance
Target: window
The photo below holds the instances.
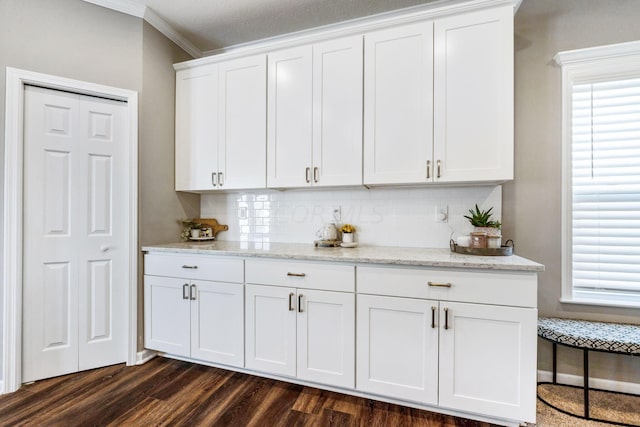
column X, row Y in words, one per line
column 601, row 175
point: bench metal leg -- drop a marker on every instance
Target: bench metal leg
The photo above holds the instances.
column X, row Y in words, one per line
column 586, row 382
column 555, row 361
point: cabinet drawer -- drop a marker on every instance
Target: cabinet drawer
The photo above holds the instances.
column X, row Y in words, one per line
column 201, row 267
column 307, row 275
column 477, row 286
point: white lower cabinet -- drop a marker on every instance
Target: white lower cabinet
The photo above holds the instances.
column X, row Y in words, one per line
column 488, row 360
column 191, row 317
column 397, row 348
column 299, row 332
column 463, row 340
column 472, row 357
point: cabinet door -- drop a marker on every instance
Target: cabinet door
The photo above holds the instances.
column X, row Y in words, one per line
column 473, row 128
column 397, row 348
column 398, row 104
column 488, row 360
column 196, row 128
column 326, row 337
column 217, row 322
column 166, row 315
column 270, row 329
column 242, row 146
column 337, row 112
column 289, row 118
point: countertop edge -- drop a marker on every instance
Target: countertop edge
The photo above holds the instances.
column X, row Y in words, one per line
column 462, row 261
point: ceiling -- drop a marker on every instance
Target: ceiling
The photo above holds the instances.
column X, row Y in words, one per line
column 204, row 26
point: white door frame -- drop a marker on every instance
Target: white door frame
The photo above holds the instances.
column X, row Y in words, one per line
column 13, row 212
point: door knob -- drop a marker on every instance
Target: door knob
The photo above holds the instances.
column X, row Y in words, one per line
column 104, row 248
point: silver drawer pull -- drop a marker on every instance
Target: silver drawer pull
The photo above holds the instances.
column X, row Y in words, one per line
column 440, row 285
column 296, row 274
column 192, row 267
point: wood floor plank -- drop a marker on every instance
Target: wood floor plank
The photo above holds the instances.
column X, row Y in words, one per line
column 170, row 392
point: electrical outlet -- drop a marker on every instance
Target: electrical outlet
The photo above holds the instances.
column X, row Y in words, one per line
column 442, row 213
column 337, row 214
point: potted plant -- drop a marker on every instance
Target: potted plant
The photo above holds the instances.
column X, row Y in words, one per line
column 347, row 231
column 190, row 229
column 482, row 221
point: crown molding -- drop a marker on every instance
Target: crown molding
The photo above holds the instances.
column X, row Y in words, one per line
column 123, row 6
column 597, row 53
column 161, row 25
column 355, row 26
column 143, row 12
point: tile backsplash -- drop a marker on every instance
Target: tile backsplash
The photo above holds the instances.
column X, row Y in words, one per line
column 403, row 217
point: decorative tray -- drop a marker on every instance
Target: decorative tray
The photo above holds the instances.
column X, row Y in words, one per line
column 327, row 243
column 504, row 250
column 200, row 239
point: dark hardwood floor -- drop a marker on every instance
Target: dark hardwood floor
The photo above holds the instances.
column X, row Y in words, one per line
column 170, row 392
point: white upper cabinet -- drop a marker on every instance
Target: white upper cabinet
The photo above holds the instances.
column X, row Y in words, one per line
column 398, row 104
column 290, row 118
column 221, row 126
column 242, row 124
column 422, row 102
column 196, row 128
column 337, row 112
column 315, row 115
column 473, row 96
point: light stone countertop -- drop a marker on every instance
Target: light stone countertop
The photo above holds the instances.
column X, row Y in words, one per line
column 422, row 257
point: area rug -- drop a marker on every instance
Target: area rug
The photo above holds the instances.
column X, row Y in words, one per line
column 612, row 407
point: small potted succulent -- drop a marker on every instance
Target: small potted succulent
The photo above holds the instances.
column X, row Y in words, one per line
column 484, row 228
column 347, row 231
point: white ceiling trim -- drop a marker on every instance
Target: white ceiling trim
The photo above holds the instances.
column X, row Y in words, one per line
column 143, row 12
column 124, row 6
column 161, row 25
column 342, row 29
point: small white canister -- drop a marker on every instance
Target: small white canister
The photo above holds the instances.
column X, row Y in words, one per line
column 463, row 241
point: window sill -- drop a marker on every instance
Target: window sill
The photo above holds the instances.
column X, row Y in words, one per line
column 616, row 304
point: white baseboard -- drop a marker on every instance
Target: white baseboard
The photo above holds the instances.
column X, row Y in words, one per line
column 603, row 384
column 144, row 356
column 2, row 390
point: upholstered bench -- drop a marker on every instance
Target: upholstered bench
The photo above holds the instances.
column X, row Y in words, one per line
column 589, row 336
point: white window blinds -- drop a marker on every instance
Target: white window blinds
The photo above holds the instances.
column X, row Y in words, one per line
column 605, row 186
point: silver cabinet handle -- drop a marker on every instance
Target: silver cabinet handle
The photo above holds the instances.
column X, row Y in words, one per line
column 315, row 174
column 300, row 310
column 296, row 274
column 433, row 317
column 291, row 307
column 192, row 267
column 446, row 318
column 220, row 180
column 214, row 179
column 438, row 169
column 428, row 169
column 193, row 292
column 185, row 291
column 306, row 175
column 440, row 285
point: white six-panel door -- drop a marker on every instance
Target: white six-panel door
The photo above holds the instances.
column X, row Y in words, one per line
column 75, row 233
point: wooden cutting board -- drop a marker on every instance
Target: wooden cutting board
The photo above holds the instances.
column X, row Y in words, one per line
column 213, row 223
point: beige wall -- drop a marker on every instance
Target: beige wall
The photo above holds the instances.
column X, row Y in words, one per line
column 532, row 202
column 78, row 40
column 160, row 206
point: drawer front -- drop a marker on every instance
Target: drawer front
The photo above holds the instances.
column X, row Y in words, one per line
column 476, row 286
column 306, row 275
column 200, row 267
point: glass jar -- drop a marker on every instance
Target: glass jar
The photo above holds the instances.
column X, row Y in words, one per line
column 494, row 242
column 478, row 240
